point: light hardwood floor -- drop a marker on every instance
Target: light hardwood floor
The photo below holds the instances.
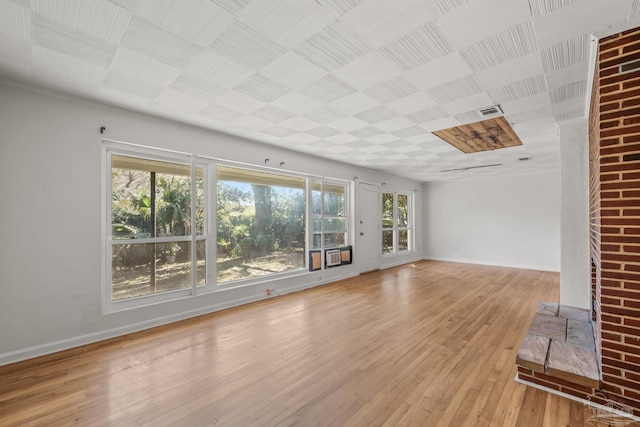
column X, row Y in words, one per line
column 425, row 344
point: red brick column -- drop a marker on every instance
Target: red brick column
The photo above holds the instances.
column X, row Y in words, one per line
column 615, row 214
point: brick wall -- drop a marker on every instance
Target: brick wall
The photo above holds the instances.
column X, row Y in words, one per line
column 615, row 215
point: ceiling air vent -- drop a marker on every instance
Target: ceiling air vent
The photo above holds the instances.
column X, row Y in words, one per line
column 492, row 111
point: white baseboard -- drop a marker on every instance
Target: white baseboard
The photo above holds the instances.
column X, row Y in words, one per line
column 494, row 264
column 65, row 344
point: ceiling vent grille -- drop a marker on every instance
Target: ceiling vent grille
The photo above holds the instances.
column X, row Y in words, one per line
column 488, row 112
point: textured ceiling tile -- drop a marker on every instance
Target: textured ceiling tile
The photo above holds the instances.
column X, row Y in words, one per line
column 567, row 75
column 121, row 99
column 240, row 102
column 635, row 10
column 391, row 89
column 339, row 7
column 442, row 7
column 322, row 131
column 347, row 124
column 293, row 71
column 246, row 46
column 380, row 21
column 412, row 103
column 468, row 103
column 408, row 132
column 508, row 45
column 456, row 89
column 233, row 6
column 272, row 114
column 198, row 21
column 328, row 89
column 566, row 53
column 180, row 101
column 218, row 69
column 479, row 19
column 367, row 70
column 566, row 93
column 520, row 89
column 332, row 47
column 418, row 47
column 323, row 114
column 143, row 67
column 15, row 20
column 126, row 84
column 287, row 22
column 58, row 37
column 279, row 131
column 354, row 103
column 296, row 103
column 367, row 132
column 510, row 71
column 252, row 123
column 427, row 115
column 341, row 138
column 438, row 71
column 377, row 114
column 162, row 45
column 543, row 7
column 299, row 123
column 219, row 113
column 68, row 66
column 580, row 17
column 527, row 116
column 197, row 87
column 262, row 88
column 99, row 18
column 524, row 104
column 395, row 123
column 130, row 5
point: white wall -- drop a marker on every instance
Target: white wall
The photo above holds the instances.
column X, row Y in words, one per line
column 511, row 221
column 575, row 280
column 50, row 218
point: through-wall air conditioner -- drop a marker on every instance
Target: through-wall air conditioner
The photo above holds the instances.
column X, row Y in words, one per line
column 333, row 257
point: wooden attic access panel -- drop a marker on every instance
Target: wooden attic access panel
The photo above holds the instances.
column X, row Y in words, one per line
column 486, row 135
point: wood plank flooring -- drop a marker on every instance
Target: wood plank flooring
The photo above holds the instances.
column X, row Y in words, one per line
column 425, row 344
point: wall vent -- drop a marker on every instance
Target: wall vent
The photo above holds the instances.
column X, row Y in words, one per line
column 630, row 66
column 492, row 111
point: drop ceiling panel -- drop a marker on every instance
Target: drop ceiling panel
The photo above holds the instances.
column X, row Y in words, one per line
column 287, row 22
column 478, row 19
column 380, row 21
column 198, row 21
column 351, row 75
column 510, row 71
column 438, row 71
column 293, row 70
column 579, row 18
column 367, row 71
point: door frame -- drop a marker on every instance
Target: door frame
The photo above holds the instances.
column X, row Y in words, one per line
column 360, row 228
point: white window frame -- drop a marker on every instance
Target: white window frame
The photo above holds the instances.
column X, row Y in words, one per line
column 396, row 228
column 347, row 213
column 259, row 279
column 110, row 148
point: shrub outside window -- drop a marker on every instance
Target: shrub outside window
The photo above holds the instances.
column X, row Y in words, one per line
column 396, row 223
column 329, row 204
column 152, row 227
column 260, row 223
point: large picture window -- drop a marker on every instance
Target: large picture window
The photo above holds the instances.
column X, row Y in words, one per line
column 396, row 223
column 153, row 224
column 260, row 223
column 178, row 225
